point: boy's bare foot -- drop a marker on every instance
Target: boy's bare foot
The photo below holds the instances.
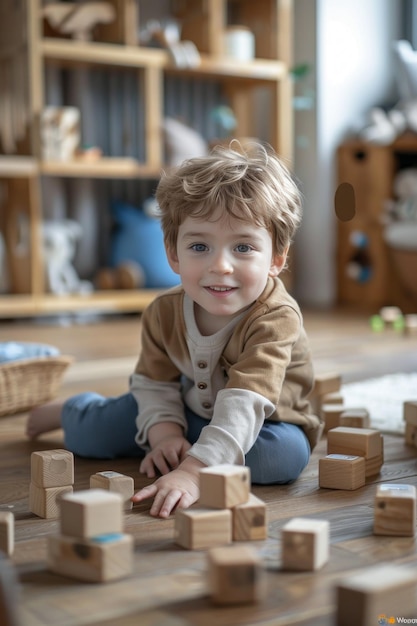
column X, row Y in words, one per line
column 44, row 418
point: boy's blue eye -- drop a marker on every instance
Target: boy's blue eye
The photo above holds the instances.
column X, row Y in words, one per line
column 243, row 247
column 199, row 247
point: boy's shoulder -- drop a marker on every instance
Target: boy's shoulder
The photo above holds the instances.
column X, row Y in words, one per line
column 275, row 296
column 169, row 299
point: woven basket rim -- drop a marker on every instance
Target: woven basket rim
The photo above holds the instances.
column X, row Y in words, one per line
column 58, row 359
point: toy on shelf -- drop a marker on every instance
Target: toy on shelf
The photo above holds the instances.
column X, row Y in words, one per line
column 78, row 19
column 60, row 133
column 167, row 34
column 359, row 267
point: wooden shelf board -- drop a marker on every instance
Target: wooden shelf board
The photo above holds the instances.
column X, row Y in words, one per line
column 103, row 301
column 106, row 167
column 132, row 56
column 18, row 167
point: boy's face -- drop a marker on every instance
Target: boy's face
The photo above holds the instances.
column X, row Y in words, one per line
column 224, row 265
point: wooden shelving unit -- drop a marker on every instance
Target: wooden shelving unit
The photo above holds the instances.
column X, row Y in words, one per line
column 115, row 46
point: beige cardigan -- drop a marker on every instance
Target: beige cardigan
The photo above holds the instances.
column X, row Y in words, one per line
column 257, row 368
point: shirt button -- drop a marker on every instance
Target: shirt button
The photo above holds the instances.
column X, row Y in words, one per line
column 202, row 385
column 202, row 364
column 206, row 405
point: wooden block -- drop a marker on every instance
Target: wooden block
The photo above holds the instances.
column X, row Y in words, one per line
column 118, row 483
column 250, row 520
column 355, row 418
column 305, row 544
column 7, row 532
column 410, row 324
column 52, row 468
column 395, row 510
column 333, row 398
column 45, row 502
column 326, row 383
column 365, row 442
column 224, row 486
column 373, row 465
column 330, row 414
column 411, row 435
column 235, row 575
column 9, row 598
column 410, row 412
column 201, row 528
column 341, row 471
column 105, row 558
column 91, row 512
column 379, row 590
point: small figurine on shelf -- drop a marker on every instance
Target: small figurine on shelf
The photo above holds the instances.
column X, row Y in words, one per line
column 359, row 266
column 78, row 19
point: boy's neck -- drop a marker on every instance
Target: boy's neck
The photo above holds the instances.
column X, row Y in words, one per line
column 208, row 324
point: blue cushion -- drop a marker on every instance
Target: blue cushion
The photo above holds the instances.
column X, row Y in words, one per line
column 139, row 238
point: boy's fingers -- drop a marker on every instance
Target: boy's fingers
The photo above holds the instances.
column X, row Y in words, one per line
column 146, row 492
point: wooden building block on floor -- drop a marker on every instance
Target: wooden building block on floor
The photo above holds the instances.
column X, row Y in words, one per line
column 224, row 486
column 333, row 398
column 379, row 590
column 355, row 418
column 373, row 465
column 341, row 471
column 250, row 520
column 9, row 597
column 410, row 412
column 104, row 558
column 202, row 528
column 235, row 575
column 325, row 383
column 7, row 532
column 118, row 483
column 305, row 544
column 330, row 414
column 411, row 435
column 45, row 502
column 52, row 468
column 90, row 513
column 395, row 510
column 364, row 442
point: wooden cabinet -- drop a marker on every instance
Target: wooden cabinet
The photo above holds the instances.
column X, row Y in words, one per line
column 366, row 277
column 258, row 91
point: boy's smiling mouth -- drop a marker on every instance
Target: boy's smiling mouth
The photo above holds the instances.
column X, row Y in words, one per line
column 219, row 289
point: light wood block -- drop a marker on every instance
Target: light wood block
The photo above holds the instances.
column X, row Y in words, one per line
column 116, row 482
column 90, row 513
column 395, row 510
column 109, row 557
column 333, row 398
column 305, row 544
column 52, row 468
column 410, row 412
column 364, row 442
column 9, row 594
column 7, row 532
column 235, row 575
column 411, row 435
column 355, row 418
column 341, row 471
column 330, row 414
column 202, row 528
column 224, row 486
column 373, row 465
column 250, row 520
column 325, row 383
column 45, row 502
column 388, row 590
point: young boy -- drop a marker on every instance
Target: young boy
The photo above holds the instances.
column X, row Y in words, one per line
column 225, row 368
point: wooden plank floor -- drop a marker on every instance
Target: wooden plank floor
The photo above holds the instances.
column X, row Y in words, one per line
column 168, row 586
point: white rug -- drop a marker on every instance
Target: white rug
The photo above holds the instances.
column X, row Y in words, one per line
column 384, row 398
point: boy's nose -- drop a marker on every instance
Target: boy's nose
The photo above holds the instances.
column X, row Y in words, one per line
column 221, row 264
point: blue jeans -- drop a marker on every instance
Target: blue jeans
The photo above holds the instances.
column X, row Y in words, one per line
column 105, row 428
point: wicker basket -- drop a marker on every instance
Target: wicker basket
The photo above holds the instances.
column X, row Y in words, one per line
column 26, row 383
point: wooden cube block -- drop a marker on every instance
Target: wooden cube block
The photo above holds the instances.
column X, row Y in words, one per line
column 224, row 486
column 52, row 468
column 364, row 442
column 102, row 559
column 9, row 594
column 355, row 418
column 379, row 590
column 325, row 383
column 305, row 544
column 410, row 324
column 411, row 435
column 410, row 412
column 201, row 528
column 235, row 575
column 7, row 532
column 395, row 510
column 45, row 502
column 373, row 465
column 250, row 520
column 118, row 483
column 341, row 471
column 333, row 398
column 91, row 512
column 330, row 414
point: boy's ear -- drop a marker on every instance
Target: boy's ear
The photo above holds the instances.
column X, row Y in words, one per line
column 278, row 263
column 172, row 259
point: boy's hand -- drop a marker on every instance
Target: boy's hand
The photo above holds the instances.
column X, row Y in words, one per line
column 165, row 456
column 179, row 488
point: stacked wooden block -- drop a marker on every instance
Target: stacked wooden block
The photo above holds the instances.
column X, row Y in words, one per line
column 117, row 483
column 52, row 476
column 328, row 402
column 6, row 532
column 410, row 418
column 92, row 546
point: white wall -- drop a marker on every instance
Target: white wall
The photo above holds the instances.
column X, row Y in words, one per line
column 348, row 44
